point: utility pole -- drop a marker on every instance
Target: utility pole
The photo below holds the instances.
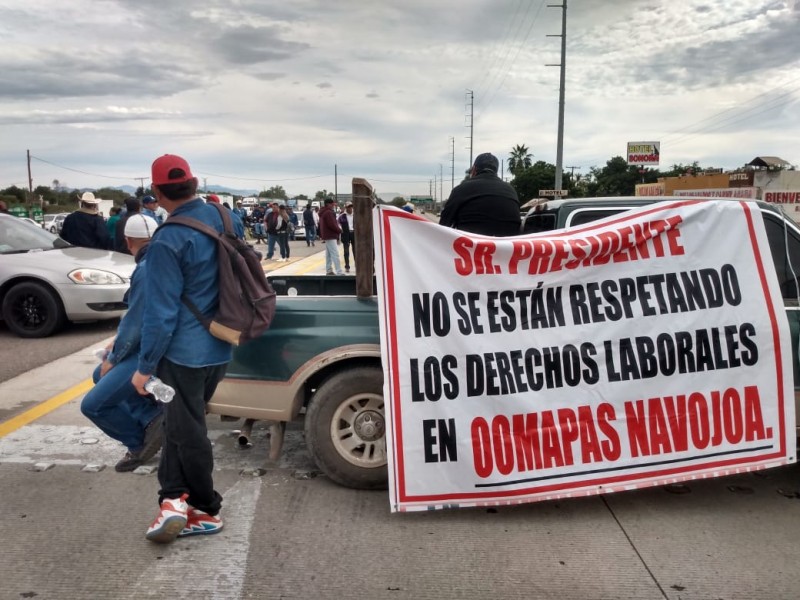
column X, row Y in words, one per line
column 205, row 185
column 562, row 83
column 30, row 182
column 452, row 163
column 434, row 188
column 470, row 106
column 30, row 188
column 441, row 192
column 572, row 172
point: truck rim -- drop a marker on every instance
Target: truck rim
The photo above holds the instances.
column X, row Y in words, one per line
column 358, row 430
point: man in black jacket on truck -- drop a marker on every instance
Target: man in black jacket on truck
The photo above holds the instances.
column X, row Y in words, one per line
column 484, row 203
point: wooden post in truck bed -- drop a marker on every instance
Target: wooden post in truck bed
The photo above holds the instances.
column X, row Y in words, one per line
column 364, row 251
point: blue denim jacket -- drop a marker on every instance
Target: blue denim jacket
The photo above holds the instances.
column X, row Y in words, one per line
column 182, row 261
column 152, row 214
column 129, row 332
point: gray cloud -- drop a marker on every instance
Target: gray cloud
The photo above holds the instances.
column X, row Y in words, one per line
column 247, row 45
column 268, row 76
column 49, row 74
column 88, row 115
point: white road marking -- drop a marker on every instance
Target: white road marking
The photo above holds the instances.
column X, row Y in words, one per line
column 207, row 566
column 86, row 445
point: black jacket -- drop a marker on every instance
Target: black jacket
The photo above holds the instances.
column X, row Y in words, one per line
column 119, row 234
column 483, row 204
column 86, row 229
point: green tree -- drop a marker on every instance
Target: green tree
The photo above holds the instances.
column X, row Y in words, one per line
column 322, row 194
column 398, row 201
column 539, row 176
column 519, row 159
column 617, row 178
column 681, row 169
column 277, row 191
column 108, row 193
column 14, row 191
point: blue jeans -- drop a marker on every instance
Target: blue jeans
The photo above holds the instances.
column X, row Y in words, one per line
column 271, row 239
column 258, row 229
column 115, row 406
column 283, row 243
column 311, row 234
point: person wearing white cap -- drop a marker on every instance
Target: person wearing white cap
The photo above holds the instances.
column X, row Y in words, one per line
column 85, row 227
column 113, row 404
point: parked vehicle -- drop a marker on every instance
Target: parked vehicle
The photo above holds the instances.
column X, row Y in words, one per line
column 54, row 223
column 321, row 357
column 44, row 281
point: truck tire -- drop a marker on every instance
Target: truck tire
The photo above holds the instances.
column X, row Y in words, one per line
column 345, row 429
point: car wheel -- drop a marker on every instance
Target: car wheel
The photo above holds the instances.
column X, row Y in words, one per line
column 32, row 310
column 53, row 229
column 345, row 429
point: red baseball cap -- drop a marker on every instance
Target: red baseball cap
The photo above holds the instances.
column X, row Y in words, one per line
column 213, row 198
column 170, row 168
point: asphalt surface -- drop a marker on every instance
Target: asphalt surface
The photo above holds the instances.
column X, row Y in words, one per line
column 73, row 528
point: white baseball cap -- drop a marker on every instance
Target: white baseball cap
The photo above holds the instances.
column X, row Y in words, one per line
column 140, row 226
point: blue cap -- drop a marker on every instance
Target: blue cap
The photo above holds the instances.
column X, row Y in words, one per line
column 148, row 199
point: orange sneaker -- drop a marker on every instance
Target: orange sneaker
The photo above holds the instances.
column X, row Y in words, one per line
column 170, row 520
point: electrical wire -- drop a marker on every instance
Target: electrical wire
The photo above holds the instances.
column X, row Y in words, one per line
column 488, row 73
column 86, row 172
column 511, row 64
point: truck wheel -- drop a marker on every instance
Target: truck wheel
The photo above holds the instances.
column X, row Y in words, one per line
column 345, row 429
column 32, row 310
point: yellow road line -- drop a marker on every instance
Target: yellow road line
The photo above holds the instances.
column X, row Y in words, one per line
column 45, row 407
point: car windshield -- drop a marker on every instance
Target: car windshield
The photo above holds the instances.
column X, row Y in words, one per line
column 17, row 236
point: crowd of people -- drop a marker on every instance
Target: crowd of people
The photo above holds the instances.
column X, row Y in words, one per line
column 162, row 335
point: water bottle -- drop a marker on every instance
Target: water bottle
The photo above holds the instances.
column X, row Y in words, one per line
column 160, row 390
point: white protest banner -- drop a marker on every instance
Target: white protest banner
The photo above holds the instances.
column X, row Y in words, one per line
column 647, row 348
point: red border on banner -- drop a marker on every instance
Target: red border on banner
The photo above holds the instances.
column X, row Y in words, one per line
column 634, row 479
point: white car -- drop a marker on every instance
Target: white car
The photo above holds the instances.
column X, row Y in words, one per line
column 45, row 281
column 54, row 223
column 30, row 221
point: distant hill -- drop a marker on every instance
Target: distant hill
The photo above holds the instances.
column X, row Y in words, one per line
column 214, row 189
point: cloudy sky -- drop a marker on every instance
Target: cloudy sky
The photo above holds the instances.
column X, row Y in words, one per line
column 256, row 93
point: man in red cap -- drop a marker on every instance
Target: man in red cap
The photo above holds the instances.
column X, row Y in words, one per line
column 178, row 349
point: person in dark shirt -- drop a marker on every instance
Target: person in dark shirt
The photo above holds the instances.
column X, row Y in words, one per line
column 484, row 203
column 85, row 227
column 133, row 206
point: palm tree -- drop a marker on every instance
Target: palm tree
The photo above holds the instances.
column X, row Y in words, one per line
column 519, row 159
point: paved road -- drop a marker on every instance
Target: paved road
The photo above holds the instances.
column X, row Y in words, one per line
column 74, row 529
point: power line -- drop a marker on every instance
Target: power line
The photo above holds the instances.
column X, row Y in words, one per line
column 743, row 114
column 263, row 180
column 736, row 118
column 497, row 48
column 513, row 60
column 83, row 172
